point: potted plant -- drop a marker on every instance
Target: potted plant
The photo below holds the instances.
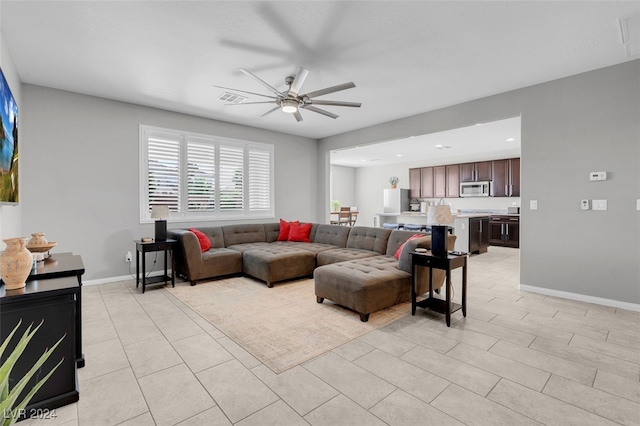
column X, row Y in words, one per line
column 393, row 180
column 335, row 205
column 11, row 408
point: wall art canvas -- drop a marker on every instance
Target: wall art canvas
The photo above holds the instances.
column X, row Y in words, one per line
column 8, row 144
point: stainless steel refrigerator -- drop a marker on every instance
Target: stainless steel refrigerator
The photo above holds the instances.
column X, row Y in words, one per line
column 396, row 200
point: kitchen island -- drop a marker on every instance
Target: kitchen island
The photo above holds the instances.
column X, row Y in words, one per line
column 471, row 227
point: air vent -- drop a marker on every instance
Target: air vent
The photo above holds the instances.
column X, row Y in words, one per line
column 232, row 98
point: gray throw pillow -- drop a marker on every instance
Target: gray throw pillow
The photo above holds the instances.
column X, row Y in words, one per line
column 404, row 261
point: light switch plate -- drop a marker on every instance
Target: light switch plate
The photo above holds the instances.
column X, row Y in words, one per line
column 599, row 204
column 637, row 204
column 533, row 204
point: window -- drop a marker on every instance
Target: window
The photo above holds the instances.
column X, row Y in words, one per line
column 203, row 177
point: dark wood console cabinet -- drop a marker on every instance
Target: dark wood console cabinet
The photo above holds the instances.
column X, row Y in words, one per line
column 504, row 231
column 51, row 301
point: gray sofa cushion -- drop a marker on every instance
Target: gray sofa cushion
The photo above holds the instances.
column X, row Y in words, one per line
column 364, row 285
column 275, row 263
column 332, row 235
column 246, row 233
column 366, row 238
column 336, row 255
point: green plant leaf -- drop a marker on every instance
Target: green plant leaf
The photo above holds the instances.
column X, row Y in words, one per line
column 9, row 397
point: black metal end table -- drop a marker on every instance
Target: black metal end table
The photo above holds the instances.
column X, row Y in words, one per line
column 143, row 248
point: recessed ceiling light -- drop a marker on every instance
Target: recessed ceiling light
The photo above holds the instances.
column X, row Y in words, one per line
column 440, row 146
column 478, row 124
column 510, row 139
column 363, row 160
column 398, row 155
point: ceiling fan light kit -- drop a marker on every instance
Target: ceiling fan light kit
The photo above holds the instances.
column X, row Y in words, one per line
column 290, row 101
column 289, row 105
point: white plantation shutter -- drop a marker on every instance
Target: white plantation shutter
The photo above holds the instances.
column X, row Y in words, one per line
column 231, row 178
column 163, row 177
column 203, row 177
column 259, row 178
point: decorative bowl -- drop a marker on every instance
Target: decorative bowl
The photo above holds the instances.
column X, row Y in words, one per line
column 41, row 248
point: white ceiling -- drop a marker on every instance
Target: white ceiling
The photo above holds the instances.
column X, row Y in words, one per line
column 405, row 57
column 482, row 141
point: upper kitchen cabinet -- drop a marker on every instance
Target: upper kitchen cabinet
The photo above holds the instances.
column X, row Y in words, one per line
column 421, row 182
column 426, row 182
column 475, row 172
column 506, row 178
column 414, row 183
column 446, row 181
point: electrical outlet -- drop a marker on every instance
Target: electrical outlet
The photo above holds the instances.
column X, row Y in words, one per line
column 127, row 257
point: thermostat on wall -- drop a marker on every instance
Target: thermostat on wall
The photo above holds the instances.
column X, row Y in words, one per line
column 598, row 176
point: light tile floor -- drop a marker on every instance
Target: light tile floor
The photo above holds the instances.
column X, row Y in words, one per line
column 517, row 358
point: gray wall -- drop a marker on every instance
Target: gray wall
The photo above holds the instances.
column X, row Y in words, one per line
column 570, row 127
column 343, row 181
column 79, row 163
column 10, row 215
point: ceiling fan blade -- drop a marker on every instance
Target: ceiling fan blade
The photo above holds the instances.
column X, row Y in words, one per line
column 331, row 89
column 336, row 103
column 298, row 81
column 264, row 83
column 298, row 116
column 244, row 91
column 320, row 111
column 271, row 110
column 250, row 103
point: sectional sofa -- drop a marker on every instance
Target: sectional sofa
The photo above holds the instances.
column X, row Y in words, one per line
column 355, row 267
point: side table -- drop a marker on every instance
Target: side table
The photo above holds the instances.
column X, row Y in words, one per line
column 154, row 246
column 431, row 303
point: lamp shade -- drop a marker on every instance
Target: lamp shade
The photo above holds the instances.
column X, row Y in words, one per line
column 159, row 211
column 439, row 215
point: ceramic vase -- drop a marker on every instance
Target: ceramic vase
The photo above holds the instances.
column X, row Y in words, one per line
column 37, row 238
column 15, row 263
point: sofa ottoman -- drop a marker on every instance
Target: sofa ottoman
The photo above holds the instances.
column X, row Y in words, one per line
column 275, row 263
column 364, row 285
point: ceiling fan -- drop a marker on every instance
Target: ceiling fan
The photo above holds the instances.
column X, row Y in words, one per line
column 291, row 101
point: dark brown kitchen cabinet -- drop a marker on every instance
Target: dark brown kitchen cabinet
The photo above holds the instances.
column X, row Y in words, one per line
column 453, row 181
column 475, row 172
column 426, row 182
column 440, row 181
column 506, row 178
column 504, row 231
column 414, row 183
column 446, row 181
column 478, row 234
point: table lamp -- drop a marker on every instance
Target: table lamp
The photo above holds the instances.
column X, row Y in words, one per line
column 160, row 213
column 438, row 217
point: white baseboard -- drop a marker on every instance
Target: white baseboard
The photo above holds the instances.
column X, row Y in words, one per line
column 581, row 297
column 121, row 278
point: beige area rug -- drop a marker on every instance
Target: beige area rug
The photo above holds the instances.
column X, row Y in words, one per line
column 282, row 326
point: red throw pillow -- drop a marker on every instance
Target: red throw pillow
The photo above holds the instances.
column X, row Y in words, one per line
column 300, row 232
column 284, row 230
column 205, row 242
column 413, row 237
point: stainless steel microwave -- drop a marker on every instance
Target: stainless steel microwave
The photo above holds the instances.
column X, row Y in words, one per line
column 475, row 189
